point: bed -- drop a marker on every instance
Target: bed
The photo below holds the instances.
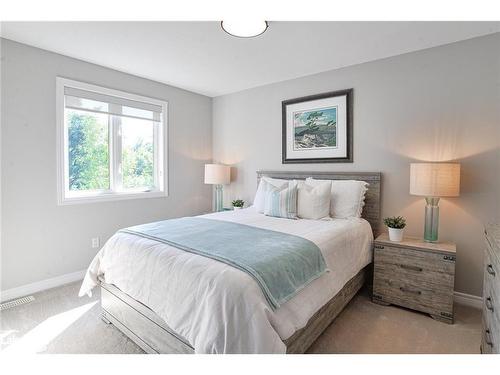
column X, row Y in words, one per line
column 170, row 301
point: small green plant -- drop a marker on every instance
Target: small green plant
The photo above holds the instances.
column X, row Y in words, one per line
column 238, row 203
column 396, row 222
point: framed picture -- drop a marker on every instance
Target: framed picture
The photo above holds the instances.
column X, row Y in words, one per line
column 318, row 128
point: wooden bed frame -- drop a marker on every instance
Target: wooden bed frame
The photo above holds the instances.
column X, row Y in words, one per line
column 153, row 335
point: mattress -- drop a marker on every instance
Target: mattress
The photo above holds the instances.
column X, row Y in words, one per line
column 218, row 308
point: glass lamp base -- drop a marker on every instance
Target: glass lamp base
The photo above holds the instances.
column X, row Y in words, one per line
column 218, row 198
column 431, row 219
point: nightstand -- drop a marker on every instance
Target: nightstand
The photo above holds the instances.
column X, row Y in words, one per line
column 415, row 274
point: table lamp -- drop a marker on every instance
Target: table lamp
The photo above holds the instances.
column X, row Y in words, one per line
column 433, row 181
column 218, row 175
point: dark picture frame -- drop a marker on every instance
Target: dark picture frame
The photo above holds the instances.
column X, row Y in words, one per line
column 348, row 157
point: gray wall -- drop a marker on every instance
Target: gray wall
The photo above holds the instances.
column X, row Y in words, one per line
column 438, row 104
column 41, row 240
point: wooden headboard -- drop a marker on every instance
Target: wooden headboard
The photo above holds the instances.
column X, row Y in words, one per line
column 371, row 210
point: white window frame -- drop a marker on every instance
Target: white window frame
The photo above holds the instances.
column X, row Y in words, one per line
column 64, row 197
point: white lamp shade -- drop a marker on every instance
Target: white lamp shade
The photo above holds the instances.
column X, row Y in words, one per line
column 435, row 179
column 217, row 174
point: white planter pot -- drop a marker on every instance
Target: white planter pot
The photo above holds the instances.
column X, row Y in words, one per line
column 395, row 235
column 236, row 208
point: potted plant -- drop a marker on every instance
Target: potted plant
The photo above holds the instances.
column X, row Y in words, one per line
column 396, row 226
column 238, row 204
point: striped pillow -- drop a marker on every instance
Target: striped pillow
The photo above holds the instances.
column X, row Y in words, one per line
column 282, row 202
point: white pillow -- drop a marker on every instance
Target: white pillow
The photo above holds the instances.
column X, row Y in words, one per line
column 260, row 196
column 314, row 200
column 347, row 199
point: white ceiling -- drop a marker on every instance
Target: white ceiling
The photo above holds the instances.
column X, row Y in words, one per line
column 200, row 57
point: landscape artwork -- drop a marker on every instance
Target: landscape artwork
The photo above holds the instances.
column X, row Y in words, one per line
column 315, row 129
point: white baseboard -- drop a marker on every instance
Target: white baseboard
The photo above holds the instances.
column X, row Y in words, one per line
column 468, row 300
column 24, row 290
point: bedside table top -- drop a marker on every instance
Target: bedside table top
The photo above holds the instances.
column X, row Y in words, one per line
column 419, row 244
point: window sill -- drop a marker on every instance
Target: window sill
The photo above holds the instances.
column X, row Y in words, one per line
column 109, row 197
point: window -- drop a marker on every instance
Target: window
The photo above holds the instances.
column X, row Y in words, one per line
column 110, row 144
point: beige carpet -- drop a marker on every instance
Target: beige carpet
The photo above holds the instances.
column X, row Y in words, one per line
column 60, row 322
column 365, row 327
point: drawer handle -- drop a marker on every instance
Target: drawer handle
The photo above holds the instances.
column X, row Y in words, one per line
column 449, row 257
column 487, row 338
column 488, row 304
column 378, row 247
column 490, row 270
column 413, row 268
column 406, row 290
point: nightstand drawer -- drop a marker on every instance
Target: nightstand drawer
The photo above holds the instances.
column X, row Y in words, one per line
column 415, row 276
column 408, row 263
column 417, row 296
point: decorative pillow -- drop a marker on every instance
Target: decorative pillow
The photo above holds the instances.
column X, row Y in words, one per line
column 313, row 201
column 260, row 196
column 282, row 202
column 347, row 198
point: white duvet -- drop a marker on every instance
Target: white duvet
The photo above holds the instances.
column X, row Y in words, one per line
column 218, row 308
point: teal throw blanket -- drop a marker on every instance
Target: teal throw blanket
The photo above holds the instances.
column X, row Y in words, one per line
column 282, row 264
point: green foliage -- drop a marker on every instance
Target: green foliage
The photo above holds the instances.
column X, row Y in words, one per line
column 88, row 153
column 137, row 164
column 89, row 156
column 238, row 203
column 396, row 222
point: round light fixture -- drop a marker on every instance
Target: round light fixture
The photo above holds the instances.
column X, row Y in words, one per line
column 244, row 28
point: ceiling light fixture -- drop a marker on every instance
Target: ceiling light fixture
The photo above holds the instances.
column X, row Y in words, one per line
column 244, row 28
